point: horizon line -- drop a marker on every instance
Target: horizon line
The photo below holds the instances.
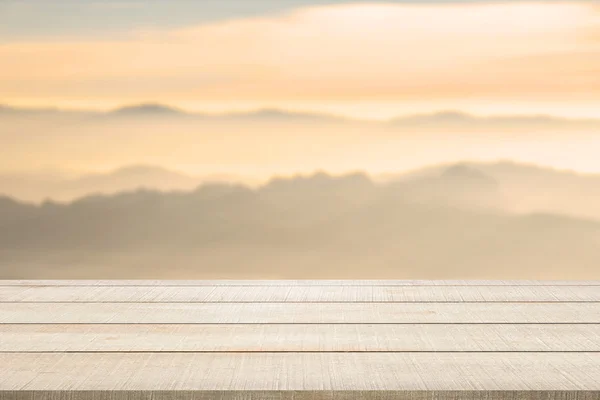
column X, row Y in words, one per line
column 167, row 108
column 319, row 170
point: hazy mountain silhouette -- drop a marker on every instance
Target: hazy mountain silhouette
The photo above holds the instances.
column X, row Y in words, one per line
column 270, row 141
column 460, row 120
column 34, row 188
column 523, row 188
column 153, row 110
column 147, row 110
column 436, row 120
column 163, row 111
column 505, row 186
column 318, row 226
column 458, row 185
column 132, row 177
column 462, row 174
column 276, row 115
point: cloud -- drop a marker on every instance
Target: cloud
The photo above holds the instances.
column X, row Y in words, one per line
column 39, row 18
column 359, row 52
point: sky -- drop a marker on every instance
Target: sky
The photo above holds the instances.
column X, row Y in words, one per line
column 363, row 59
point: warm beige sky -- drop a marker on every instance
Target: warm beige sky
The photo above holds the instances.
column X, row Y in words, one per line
column 364, row 60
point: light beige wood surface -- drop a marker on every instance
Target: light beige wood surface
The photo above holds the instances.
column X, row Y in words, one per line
column 233, row 282
column 300, row 371
column 300, row 395
column 296, row 313
column 299, row 338
column 315, row 293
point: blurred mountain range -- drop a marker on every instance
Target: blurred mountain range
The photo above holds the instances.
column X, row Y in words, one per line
column 267, row 142
column 453, row 221
column 506, row 186
column 445, row 119
column 32, row 187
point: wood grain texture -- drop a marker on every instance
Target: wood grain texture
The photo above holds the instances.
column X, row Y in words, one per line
column 300, row 395
column 298, row 338
column 250, row 282
column 317, row 293
column 300, row 371
column 244, row 313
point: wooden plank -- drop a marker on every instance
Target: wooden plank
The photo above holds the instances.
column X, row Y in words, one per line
column 298, row 338
column 364, row 313
column 417, row 340
column 294, row 283
column 188, row 294
column 300, row 395
column 300, row 371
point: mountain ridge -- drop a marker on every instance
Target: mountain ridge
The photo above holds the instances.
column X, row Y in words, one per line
column 316, row 226
column 454, row 117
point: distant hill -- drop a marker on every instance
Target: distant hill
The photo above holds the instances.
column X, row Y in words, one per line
column 502, row 186
column 305, row 227
column 453, row 120
column 260, row 116
column 276, row 115
column 147, row 110
column 522, row 188
column 152, row 111
column 269, row 141
column 35, row 188
column 457, row 185
column 437, row 121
